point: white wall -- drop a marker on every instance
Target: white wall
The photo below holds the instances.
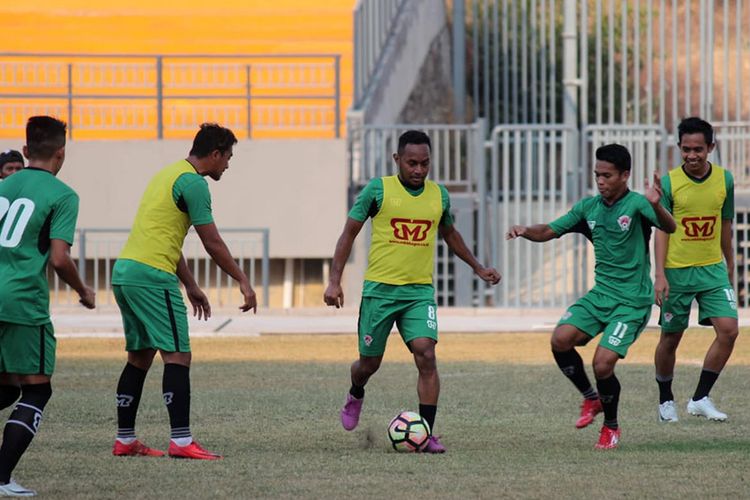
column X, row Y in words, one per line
column 297, row 188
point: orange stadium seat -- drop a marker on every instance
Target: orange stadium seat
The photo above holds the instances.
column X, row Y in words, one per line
column 115, row 97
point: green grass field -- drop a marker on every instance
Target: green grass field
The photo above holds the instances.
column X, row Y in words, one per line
column 270, row 405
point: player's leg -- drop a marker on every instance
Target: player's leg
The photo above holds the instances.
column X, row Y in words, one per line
column 577, row 327
column 130, row 384
column 27, row 352
column 718, row 308
column 376, row 317
column 10, row 389
column 417, row 323
column 624, row 326
column 673, row 318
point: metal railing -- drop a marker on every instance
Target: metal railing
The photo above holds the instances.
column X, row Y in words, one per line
column 98, row 249
column 168, row 96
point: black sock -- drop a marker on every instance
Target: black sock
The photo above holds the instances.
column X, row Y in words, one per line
column 705, row 383
column 22, row 425
column 176, row 392
column 8, row 395
column 129, row 390
column 665, row 389
column 609, row 394
column 428, row 414
column 357, row 391
column 571, row 364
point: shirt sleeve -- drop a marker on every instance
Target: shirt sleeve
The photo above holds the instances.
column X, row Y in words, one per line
column 648, row 212
column 195, row 198
column 446, row 219
column 369, row 201
column 666, row 193
column 572, row 222
column 727, row 210
column 64, row 218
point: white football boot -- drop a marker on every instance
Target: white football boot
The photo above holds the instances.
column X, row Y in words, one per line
column 705, row 408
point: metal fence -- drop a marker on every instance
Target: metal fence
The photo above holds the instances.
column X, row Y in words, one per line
column 160, row 96
column 98, row 249
column 608, row 61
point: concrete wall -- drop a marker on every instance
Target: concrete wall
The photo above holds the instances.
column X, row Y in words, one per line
column 420, row 22
column 297, row 188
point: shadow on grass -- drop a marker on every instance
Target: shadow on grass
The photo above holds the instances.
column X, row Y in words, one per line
column 694, row 446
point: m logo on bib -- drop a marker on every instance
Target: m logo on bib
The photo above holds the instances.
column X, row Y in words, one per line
column 410, row 229
column 699, row 227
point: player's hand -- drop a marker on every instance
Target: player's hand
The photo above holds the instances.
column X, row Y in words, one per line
column 661, row 290
column 653, row 193
column 489, row 274
column 199, row 301
column 334, row 295
column 88, row 298
column 251, row 302
column 515, row 232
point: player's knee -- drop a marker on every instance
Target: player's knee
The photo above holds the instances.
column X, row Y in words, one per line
column 36, row 394
column 728, row 335
column 426, row 360
column 603, row 368
column 560, row 342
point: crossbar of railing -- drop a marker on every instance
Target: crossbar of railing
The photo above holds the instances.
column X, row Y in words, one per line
column 162, row 79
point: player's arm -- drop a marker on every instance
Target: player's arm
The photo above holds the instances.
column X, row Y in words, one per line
column 198, row 299
column 217, row 249
column 538, row 232
column 727, row 248
column 456, row 243
column 653, row 194
column 661, row 285
column 59, row 258
column 334, row 294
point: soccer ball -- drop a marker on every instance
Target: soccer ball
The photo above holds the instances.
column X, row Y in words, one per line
column 408, row 432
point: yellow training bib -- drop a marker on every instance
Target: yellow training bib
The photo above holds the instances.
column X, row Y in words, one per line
column 696, row 207
column 402, row 251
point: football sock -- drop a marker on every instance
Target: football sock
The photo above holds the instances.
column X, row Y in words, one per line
column 176, row 392
column 8, row 395
column 428, row 414
column 357, row 391
column 609, row 394
column 705, row 383
column 571, row 364
column 129, row 390
column 22, row 425
column 665, row 388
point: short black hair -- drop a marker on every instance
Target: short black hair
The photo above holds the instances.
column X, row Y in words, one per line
column 695, row 125
column 616, row 154
column 413, row 137
column 212, row 137
column 10, row 156
column 44, row 136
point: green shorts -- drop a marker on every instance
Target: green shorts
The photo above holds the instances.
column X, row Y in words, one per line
column 27, row 349
column 153, row 318
column 715, row 303
column 414, row 319
column 620, row 324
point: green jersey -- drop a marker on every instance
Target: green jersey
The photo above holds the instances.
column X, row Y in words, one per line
column 368, row 204
column 35, row 208
column 620, row 233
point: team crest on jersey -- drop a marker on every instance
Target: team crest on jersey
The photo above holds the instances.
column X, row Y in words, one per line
column 368, row 340
column 592, row 224
column 567, row 315
column 668, row 317
column 624, row 222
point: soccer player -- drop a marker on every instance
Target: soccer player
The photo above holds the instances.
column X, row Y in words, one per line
column 11, row 161
column 407, row 213
column 618, row 222
column 689, row 267
column 145, row 283
column 38, row 216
